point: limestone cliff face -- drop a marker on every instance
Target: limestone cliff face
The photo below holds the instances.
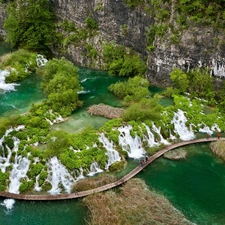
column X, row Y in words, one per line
column 117, row 23
column 2, row 17
column 197, row 46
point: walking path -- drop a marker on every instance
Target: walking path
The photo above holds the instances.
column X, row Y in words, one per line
column 107, row 186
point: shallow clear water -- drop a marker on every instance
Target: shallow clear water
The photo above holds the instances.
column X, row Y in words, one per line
column 195, row 185
column 19, row 101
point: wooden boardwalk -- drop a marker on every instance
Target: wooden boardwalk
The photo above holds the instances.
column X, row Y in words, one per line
column 107, row 186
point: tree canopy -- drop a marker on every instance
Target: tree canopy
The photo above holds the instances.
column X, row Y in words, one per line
column 31, row 25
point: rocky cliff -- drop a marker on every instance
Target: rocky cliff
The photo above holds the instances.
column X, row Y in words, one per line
column 2, row 17
column 195, row 46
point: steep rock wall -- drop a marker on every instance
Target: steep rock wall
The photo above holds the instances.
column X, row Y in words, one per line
column 2, row 17
column 112, row 16
column 197, row 46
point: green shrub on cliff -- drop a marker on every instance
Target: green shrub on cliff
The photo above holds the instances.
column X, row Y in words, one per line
column 119, row 62
column 31, row 24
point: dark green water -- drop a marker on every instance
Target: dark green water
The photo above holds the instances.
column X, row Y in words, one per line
column 196, row 186
column 44, row 213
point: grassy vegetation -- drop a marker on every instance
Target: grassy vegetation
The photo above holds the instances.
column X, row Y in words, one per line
column 93, row 182
column 132, row 204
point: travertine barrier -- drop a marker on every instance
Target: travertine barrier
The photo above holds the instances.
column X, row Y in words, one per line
column 107, row 186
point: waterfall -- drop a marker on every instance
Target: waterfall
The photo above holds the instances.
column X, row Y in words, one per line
column 36, row 186
column 180, row 128
column 113, row 155
column 205, row 129
column 18, row 172
column 133, row 146
column 3, row 86
column 94, row 169
column 58, row 174
column 158, row 131
column 150, row 137
column 40, row 60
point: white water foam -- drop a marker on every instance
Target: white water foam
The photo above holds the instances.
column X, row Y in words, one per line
column 94, row 169
column 58, row 174
column 3, row 86
column 149, row 137
column 40, row 60
column 113, row 155
column 157, row 130
column 8, row 203
column 133, row 146
column 180, row 127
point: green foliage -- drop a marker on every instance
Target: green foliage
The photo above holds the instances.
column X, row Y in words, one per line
column 143, row 110
column 117, row 166
column 202, row 11
column 31, row 24
column 179, row 80
column 132, row 90
column 3, row 180
column 59, row 143
column 26, row 185
column 8, row 141
column 197, row 82
column 119, row 62
column 60, row 83
column 87, row 137
column 35, row 169
column 134, row 3
column 91, row 23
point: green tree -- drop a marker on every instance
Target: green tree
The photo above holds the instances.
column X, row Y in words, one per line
column 31, row 24
column 179, row 79
column 60, row 83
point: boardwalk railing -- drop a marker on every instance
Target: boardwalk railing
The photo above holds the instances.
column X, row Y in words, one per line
column 107, row 186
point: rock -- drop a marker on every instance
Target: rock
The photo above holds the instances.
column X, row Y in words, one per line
column 176, row 154
column 106, row 111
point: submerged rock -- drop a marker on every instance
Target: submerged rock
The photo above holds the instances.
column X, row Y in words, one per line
column 176, row 154
column 218, row 148
column 105, row 110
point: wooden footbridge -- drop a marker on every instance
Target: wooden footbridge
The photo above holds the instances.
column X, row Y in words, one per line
column 107, row 186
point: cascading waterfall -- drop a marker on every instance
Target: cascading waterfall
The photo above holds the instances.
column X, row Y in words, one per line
column 158, row 131
column 205, row 129
column 40, row 60
column 19, row 171
column 133, row 146
column 58, row 174
column 94, row 169
column 180, row 127
column 113, row 155
column 36, row 186
column 150, row 137
column 3, row 86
